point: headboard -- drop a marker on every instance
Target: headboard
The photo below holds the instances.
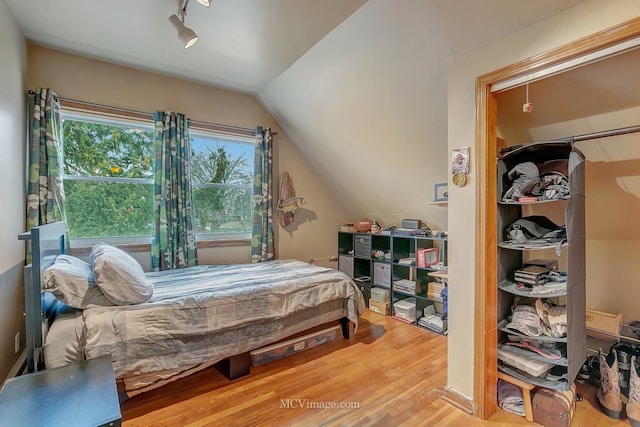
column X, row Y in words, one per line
column 47, row 242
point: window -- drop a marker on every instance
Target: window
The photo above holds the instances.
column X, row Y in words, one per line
column 108, row 179
column 222, row 180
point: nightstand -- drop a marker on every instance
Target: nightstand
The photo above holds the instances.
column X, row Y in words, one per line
column 80, row 394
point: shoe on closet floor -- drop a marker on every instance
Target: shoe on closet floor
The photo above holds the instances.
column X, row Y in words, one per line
column 609, row 392
column 633, row 406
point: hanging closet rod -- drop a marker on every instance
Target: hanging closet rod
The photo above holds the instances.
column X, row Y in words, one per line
column 141, row 114
column 583, row 137
column 607, row 133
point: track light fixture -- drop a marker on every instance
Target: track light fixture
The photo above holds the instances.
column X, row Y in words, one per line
column 185, row 34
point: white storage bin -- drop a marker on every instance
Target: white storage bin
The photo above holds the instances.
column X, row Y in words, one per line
column 379, row 295
column 382, row 274
column 405, row 309
column 511, row 357
column 285, row 348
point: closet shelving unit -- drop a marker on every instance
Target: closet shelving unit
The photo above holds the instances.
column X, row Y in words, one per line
column 570, row 257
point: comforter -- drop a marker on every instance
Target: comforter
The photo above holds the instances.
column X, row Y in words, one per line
column 200, row 315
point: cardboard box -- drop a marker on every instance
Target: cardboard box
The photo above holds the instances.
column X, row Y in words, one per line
column 379, row 307
column 434, row 296
column 601, row 321
column 435, row 287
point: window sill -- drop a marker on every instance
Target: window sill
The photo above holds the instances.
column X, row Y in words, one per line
column 84, row 250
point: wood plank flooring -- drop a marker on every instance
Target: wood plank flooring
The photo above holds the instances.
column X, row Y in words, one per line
column 388, row 374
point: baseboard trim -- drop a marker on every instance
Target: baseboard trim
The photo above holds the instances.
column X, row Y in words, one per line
column 458, row 400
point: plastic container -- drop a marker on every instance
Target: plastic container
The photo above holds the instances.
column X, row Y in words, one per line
column 380, row 295
column 286, row 348
column 405, row 309
column 532, row 367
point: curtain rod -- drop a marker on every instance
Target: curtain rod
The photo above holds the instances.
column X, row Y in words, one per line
column 214, row 126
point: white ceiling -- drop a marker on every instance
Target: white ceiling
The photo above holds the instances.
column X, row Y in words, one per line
column 245, row 44
column 356, row 85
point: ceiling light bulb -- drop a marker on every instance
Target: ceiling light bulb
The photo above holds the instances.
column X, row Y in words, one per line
column 205, row 3
column 185, row 34
column 188, row 37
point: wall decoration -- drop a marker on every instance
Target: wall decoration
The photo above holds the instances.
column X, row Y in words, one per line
column 441, row 193
column 460, row 166
column 460, row 160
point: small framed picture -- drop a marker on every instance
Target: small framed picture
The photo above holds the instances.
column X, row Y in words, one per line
column 460, row 160
column 441, row 192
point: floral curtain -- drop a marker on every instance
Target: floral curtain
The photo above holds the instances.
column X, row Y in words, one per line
column 45, row 190
column 173, row 238
column 262, row 246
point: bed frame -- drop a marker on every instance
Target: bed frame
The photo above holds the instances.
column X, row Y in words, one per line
column 47, row 242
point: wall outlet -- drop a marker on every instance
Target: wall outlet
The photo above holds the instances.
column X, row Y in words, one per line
column 17, row 343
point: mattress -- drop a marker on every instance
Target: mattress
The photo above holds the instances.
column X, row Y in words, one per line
column 64, row 343
column 200, row 315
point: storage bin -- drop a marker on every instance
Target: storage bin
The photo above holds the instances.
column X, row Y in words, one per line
column 524, row 363
column 345, row 264
column 362, row 245
column 601, row 321
column 405, row 309
column 382, row 274
column 365, row 288
column 294, row 345
column 427, row 257
column 379, row 295
column 379, row 307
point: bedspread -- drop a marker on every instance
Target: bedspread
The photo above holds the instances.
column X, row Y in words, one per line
column 200, row 315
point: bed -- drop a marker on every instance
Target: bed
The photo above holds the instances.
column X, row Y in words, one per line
column 166, row 325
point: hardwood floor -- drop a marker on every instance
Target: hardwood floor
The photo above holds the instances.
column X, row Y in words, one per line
column 388, row 374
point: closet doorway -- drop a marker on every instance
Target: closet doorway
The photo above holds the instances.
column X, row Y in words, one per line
column 562, row 110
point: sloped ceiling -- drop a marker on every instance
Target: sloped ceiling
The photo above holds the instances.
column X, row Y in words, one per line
column 359, row 86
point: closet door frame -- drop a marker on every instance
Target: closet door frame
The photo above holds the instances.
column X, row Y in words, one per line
column 485, row 334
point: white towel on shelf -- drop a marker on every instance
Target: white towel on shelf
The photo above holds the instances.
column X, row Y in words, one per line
column 510, row 398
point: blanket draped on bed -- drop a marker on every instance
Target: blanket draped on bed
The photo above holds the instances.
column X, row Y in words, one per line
column 201, row 315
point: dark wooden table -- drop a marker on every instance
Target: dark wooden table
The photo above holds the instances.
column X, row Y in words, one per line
column 81, row 394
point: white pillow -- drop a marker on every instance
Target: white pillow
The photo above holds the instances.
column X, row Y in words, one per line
column 70, row 280
column 119, row 276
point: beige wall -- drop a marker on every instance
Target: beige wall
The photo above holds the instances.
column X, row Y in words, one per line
column 613, row 239
column 12, row 106
column 580, row 21
column 313, row 233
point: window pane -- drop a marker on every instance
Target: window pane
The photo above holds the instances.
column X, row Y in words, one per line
column 222, row 210
column 99, row 154
column 219, row 161
column 104, row 209
column 98, row 149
